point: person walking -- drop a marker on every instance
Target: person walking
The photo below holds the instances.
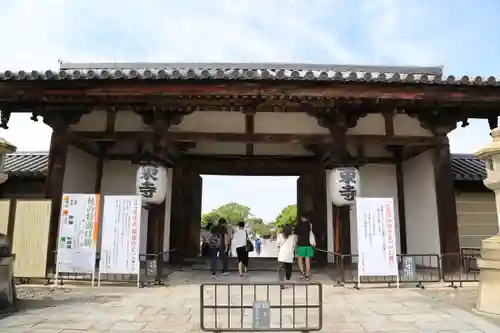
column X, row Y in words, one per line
column 224, row 244
column 258, row 244
column 305, row 246
column 213, row 247
column 286, row 249
column 240, row 239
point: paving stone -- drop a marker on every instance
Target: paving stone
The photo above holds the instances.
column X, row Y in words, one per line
column 127, row 326
column 176, row 308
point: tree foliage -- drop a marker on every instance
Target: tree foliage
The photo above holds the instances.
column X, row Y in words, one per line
column 287, row 216
column 262, row 230
column 233, row 212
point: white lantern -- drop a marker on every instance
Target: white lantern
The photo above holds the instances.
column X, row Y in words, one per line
column 343, row 186
column 151, row 183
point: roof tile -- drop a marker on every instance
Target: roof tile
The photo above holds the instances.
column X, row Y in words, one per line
column 249, row 71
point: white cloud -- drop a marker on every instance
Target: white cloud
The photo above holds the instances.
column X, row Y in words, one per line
column 35, row 34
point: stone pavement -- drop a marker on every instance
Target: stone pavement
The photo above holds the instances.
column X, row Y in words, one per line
column 175, row 308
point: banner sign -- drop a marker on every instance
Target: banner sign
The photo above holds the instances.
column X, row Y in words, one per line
column 120, row 234
column 376, row 237
column 78, row 226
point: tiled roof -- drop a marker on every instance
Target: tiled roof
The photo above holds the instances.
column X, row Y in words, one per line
column 27, row 164
column 465, row 167
column 248, row 71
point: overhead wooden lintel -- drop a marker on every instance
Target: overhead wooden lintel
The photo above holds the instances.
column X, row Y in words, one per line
column 252, row 138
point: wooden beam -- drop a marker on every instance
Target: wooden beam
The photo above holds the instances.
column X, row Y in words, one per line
column 252, row 138
column 110, row 120
column 389, row 123
column 249, row 130
column 314, row 89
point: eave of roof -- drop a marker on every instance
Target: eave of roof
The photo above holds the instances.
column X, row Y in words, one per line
column 249, row 71
column 27, row 164
column 465, row 167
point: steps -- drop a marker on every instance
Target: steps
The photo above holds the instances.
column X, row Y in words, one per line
column 255, row 264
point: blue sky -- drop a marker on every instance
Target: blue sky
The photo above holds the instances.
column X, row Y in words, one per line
column 458, row 34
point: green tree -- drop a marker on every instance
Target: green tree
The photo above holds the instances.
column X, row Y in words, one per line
column 261, row 229
column 287, row 216
column 233, row 212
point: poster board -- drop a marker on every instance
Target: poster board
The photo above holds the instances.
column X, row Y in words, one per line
column 77, row 237
column 120, row 235
column 376, row 238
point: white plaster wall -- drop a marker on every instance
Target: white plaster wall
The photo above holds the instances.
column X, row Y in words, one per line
column 212, row 121
column 80, row 173
column 371, row 124
column 301, row 123
column 292, row 149
column 217, row 147
column 378, row 181
column 287, row 122
column 420, row 205
column 406, row 125
column 93, row 121
column 119, row 179
column 127, row 121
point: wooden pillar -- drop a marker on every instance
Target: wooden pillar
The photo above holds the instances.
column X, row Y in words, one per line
column 54, row 185
column 177, row 215
column 401, row 205
column 311, row 199
column 445, row 196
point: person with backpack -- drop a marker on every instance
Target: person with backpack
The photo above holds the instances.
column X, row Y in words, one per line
column 286, row 250
column 218, row 244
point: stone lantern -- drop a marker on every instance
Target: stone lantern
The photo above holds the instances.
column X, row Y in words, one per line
column 489, row 264
column 5, row 148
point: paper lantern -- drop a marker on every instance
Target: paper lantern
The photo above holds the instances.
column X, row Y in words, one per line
column 151, row 183
column 343, row 186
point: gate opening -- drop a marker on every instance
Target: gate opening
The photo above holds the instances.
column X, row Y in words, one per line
column 263, row 203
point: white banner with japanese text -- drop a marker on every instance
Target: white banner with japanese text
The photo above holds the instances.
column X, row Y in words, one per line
column 78, row 226
column 120, row 234
column 376, row 237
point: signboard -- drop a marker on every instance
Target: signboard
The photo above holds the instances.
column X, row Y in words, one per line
column 77, row 240
column 409, row 268
column 261, row 315
column 376, row 237
column 120, row 235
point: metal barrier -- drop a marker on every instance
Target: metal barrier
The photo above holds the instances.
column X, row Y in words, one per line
column 469, row 255
column 153, row 271
column 460, row 268
column 261, row 307
column 413, row 268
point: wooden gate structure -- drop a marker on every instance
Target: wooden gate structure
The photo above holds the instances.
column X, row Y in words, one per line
column 250, row 119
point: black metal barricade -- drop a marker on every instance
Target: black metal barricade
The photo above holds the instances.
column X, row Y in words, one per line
column 153, row 271
column 261, row 307
column 458, row 268
column 413, row 268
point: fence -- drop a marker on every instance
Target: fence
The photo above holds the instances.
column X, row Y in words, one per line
column 461, row 267
column 261, row 307
column 153, row 270
column 415, row 269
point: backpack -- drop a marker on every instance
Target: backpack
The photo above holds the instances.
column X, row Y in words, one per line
column 214, row 241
